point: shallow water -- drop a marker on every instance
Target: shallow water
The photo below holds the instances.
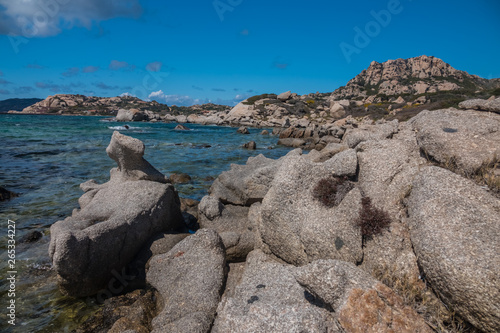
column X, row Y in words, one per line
column 45, row 158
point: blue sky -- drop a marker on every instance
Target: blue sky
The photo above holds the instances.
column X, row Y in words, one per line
column 196, row 51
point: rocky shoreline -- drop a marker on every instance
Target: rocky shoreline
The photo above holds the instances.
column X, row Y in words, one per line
column 391, row 227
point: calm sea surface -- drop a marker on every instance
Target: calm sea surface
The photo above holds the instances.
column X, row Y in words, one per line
column 45, row 158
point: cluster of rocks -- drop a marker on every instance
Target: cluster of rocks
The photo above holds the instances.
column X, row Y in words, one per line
column 270, row 257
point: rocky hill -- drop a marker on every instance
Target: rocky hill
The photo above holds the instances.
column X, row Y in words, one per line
column 17, row 104
column 80, row 104
column 413, row 76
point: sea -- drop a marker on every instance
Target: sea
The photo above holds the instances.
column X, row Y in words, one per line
column 44, row 159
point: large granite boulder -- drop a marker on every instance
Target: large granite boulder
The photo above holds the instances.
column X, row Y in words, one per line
column 131, row 115
column 299, row 228
column 364, row 132
column 91, row 247
column 190, row 279
column 481, row 105
column 249, row 183
column 360, row 303
column 456, row 237
column 269, row 299
column 459, row 139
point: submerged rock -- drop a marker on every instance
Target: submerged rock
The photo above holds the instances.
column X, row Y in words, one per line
column 181, row 127
column 116, row 218
column 250, row 145
column 6, row 194
column 243, row 130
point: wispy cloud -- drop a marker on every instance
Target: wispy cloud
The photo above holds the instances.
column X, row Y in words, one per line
column 1, row 73
column 197, row 88
column 218, row 89
column 35, row 66
column 4, row 82
column 244, row 32
column 17, row 16
column 73, row 71
column 104, row 86
column 4, row 92
column 57, row 88
column 154, row 66
column 250, row 91
column 90, row 69
column 24, row 90
column 117, row 65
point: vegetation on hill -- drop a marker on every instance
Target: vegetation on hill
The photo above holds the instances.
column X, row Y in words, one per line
column 17, row 104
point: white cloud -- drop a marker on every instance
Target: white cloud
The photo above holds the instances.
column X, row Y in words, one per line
column 126, row 94
column 40, row 18
column 160, row 96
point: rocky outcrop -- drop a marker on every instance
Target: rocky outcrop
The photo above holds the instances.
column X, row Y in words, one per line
column 464, row 140
column 417, row 75
column 492, row 105
column 455, row 235
column 88, row 105
column 190, row 279
column 114, row 220
column 354, row 136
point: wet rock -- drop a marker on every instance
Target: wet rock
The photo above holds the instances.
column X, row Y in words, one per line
column 189, row 279
column 181, row 127
column 130, row 312
column 6, row 194
column 455, row 235
column 180, row 178
column 264, row 132
column 243, row 130
column 114, row 222
column 250, row 145
column 31, row 237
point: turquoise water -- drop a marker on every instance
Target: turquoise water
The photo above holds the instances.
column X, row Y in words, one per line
column 45, row 158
